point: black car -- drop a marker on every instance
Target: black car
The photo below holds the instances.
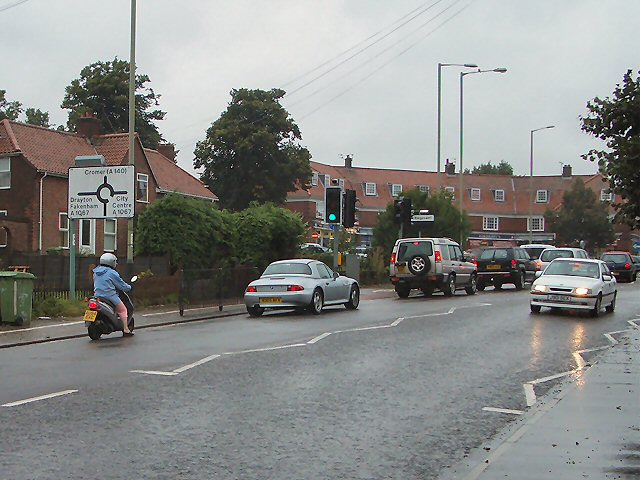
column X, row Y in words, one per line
column 621, row 265
column 497, row 266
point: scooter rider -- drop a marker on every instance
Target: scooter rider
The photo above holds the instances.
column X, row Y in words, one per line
column 107, row 282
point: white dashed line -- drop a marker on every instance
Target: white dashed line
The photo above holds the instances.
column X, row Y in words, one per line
column 195, row 364
column 503, row 410
column 318, row 338
column 36, row 399
column 154, row 372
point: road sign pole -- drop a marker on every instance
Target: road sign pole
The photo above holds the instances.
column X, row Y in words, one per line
column 72, row 260
column 336, row 246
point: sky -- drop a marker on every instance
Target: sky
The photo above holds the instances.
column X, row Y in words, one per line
column 360, row 75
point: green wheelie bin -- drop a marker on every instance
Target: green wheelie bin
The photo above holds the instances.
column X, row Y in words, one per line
column 16, row 298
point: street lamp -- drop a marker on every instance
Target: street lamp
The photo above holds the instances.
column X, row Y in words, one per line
column 461, row 187
column 440, row 65
column 531, row 182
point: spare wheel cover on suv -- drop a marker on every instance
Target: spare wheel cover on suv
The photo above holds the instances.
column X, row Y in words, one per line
column 419, row 264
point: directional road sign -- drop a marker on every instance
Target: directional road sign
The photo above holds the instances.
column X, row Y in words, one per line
column 422, row 218
column 101, row 192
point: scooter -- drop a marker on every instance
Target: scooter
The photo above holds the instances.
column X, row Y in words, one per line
column 101, row 318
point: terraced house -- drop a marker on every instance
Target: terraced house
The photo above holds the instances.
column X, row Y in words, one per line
column 34, row 165
column 504, row 210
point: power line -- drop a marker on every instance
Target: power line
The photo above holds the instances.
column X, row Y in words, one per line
column 11, row 5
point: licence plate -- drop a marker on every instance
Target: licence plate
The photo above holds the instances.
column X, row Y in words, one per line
column 270, row 300
column 493, row 267
column 90, row 315
column 560, row 298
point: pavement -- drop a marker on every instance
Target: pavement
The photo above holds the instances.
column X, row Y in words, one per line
column 589, row 427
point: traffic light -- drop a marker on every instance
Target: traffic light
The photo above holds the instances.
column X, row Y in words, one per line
column 406, row 211
column 333, row 205
column 397, row 211
column 349, row 217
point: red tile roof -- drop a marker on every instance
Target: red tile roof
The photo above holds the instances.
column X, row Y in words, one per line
column 172, row 178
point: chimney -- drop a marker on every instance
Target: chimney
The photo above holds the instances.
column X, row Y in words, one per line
column 566, row 171
column 168, row 150
column 348, row 161
column 450, row 168
column 88, row 126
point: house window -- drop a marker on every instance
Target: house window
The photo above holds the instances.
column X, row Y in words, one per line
column 63, row 227
column 498, row 195
column 424, row 188
column 3, row 213
column 5, row 173
column 142, row 187
column 535, row 224
column 396, row 189
column 370, row 189
column 110, row 235
column 452, row 191
column 542, row 196
column 327, row 180
column 341, row 183
column 490, row 223
column 314, row 179
column 4, row 237
column 87, row 237
column 606, row 195
column 475, row 194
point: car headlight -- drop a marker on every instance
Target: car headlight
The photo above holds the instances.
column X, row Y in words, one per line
column 583, row 291
column 540, row 288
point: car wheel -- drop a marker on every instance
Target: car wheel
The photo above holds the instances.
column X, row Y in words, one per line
column 518, row 281
column 449, row 288
column 317, row 301
column 255, row 311
column 612, row 306
column 403, row 291
column 597, row 307
column 354, row 298
column 473, row 286
column 94, row 332
column 535, row 308
column 419, row 264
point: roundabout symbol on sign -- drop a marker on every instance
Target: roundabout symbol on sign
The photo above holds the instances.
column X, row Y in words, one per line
column 98, row 193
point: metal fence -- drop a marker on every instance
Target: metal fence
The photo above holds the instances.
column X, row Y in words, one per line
column 214, row 286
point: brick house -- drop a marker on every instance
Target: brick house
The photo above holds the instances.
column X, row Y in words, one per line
column 498, row 205
column 34, row 164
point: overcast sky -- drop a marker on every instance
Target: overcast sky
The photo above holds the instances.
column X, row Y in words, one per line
column 377, row 103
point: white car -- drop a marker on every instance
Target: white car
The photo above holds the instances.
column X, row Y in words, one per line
column 550, row 254
column 300, row 284
column 535, row 249
column 575, row 283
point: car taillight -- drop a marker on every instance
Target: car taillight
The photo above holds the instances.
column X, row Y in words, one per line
column 513, row 263
column 393, row 257
column 93, row 305
column 438, row 257
column 475, row 262
column 252, row 289
column 294, row 288
column 627, row 266
column 538, row 265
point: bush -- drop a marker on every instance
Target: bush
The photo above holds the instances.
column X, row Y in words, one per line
column 58, row 307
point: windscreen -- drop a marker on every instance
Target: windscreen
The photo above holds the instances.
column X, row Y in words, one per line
column 288, row 269
column 406, row 250
column 573, row 269
column 614, row 257
column 494, row 254
column 534, row 252
column 549, row 255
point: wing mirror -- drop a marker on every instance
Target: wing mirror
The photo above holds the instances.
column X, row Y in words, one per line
column 606, row 278
column 336, row 274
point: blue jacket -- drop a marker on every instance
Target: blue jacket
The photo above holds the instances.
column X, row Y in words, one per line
column 106, row 283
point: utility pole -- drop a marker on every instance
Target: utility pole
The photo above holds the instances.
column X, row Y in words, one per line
column 132, row 128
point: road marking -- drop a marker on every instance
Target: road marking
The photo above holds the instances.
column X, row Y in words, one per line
column 154, row 372
column 43, row 326
column 529, row 394
column 318, row 338
column 397, row 322
column 503, row 410
column 383, row 290
column 42, row 397
column 267, row 349
column 195, row 364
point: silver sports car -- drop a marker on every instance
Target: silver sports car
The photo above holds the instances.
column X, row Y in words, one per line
column 300, row 284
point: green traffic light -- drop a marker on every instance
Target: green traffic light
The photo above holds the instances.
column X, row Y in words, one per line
column 332, row 217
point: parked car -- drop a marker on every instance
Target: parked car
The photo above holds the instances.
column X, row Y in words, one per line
column 313, row 248
column 500, row 265
column 535, row 249
column 621, row 265
column 575, row 283
column 300, row 284
column 428, row 264
column 550, row 254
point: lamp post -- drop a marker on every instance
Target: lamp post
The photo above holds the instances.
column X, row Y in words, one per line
column 461, row 186
column 440, row 65
column 531, row 181
column 132, row 128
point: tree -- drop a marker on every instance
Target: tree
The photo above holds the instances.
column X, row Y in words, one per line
column 103, row 89
column 251, row 152
column 194, row 233
column 13, row 110
column 617, row 121
column 503, row 168
column 35, row 116
column 449, row 222
column 581, row 217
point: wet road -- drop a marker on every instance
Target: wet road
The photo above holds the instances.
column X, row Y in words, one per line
column 397, row 389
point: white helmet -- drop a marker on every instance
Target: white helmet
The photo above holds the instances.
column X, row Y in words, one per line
column 109, row 260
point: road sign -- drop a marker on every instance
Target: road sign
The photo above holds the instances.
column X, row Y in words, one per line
column 636, row 246
column 101, row 192
column 422, row 218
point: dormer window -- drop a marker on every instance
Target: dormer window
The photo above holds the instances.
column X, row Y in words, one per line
column 314, row 179
column 396, row 189
column 498, row 195
column 542, row 196
column 475, row 194
column 370, row 189
column 606, row 195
